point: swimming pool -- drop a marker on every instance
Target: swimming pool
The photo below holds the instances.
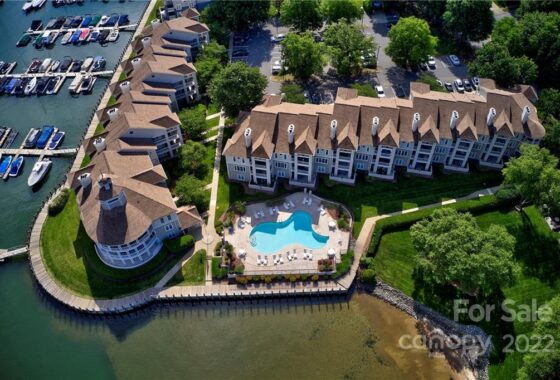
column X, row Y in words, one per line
column 271, row 237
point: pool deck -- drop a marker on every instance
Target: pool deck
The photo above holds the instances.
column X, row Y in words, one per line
column 239, row 236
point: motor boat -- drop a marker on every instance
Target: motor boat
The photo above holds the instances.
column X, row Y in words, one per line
column 93, row 36
column 95, row 20
column 34, row 67
column 113, row 36
column 27, row 6
column 76, row 21
column 50, row 38
column 112, row 21
column 24, row 40
column 19, row 90
column 15, row 167
column 11, row 85
column 65, row 64
column 3, row 82
column 87, row 84
column 87, row 64
column 51, row 24
column 67, row 23
column 39, row 171
column 103, row 36
column 84, row 35
column 44, row 137
column 75, row 36
column 56, row 140
column 98, row 63
column 66, row 38
column 30, row 86
column 60, row 20
column 86, row 22
column 42, row 84
column 32, row 138
column 38, row 43
column 76, row 66
column 35, row 25
column 103, row 20
column 123, row 20
column 74, row 87
column 38, row 3
column 45, row 65
column 51, row 86
column 55, row 65
column 5, row 165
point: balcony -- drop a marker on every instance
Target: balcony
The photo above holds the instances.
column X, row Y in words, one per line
column 343, row 179
column 263, row 186
column 382, row 175
column 302, row 181
column 420, row 170
column 456, row 168
column 491, row 163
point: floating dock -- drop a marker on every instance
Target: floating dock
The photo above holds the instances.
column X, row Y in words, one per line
column 120, row 28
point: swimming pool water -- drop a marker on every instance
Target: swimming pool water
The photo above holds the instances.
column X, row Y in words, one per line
column 271, row 237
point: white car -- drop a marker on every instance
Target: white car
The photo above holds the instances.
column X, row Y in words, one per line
column 278, row 38
column 459, row 85
column 380, row 91
column 276, row 69
column 454, row 60
column 431, row 62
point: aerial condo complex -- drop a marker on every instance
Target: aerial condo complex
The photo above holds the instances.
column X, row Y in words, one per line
column 306, row 189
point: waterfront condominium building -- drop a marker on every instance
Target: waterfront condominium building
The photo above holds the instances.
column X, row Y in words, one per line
column 377, row 136
column 126, row 208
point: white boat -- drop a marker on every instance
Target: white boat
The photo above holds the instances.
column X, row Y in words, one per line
column 87, row 64
column 75, row 85
column 66, row 38
column 103, row 20
column 45, row 65
column 87, row 84
column 27, row 6
column 40, row 169
column 113, row 36
column 38, row 3
column 55, row 65
column 53, row 84
column 30, row 86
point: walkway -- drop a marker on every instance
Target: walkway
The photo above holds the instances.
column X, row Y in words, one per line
column 7, row 253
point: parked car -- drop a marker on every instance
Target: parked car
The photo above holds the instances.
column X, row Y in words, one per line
column 240, row 53
column 431, row 62
column 399, row 91
column 459, row 85
column 467, row 85
column 392, row 19
column 475, row 82
column 276, row 69
column 448, row 86
column 424, row 66
column 328, row 98
column 455, row 61
column 278, row 38
column 380, row 91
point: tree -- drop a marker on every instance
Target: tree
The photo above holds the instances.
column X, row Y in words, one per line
column 302, row 55
column 431, row 80
column 301, row 14
column 494, row 61
column 207, row 69
column 410, row 42
column 528, row 6
column 347, row 45
column 236, row 15
column 548, row 105
column 237, row 87
column 544, row 365
column 193, row 121
column 192, row 159
column 551, row 140
column 214, row 50
column 190, row 191
column 469, row 20
column 335, row 10
column 431, row 10
column 533, row 174
column 454, row 250
column 293, row 93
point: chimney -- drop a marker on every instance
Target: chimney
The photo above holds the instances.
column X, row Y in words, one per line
column 85, row 180
column 155, row 23
column 415, row 121
column 136, row 62
column 525, row 114
column 248, row 137
column 113, row 113
column 104, row 183
column 453, row 120
column 374, row 125
column 99, row 144
column 146, row 42
column 125, row 87
column 491, row 116
column 291, row 133
column 333, row 129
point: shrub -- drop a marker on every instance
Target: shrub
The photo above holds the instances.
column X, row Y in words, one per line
column 368, row 276
column 342, row 224
column 345, row 264
column 239, row 208
column 366, row 262
column 325, row 265
column 315, row 277
column 507, row 193
column 293, row 278
column 268, row 279
column 179, row 244
column 57, row 205
column 219, row 226
column 241, row 280
column 239, row 269
column 304, row 277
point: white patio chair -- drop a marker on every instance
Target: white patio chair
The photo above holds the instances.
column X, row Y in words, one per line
column 271, row 211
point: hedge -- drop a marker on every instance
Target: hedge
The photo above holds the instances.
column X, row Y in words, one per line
column 57, row 205
column 345, row 264
column 403, row 221
column 179, row 244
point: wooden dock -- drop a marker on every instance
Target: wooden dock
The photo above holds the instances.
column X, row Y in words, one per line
column 7, row 253
column 39, row 152
column 123, row 28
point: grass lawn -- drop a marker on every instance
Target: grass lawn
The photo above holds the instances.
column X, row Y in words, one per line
column 70, row 258
column 193, row 272
column 85, row 161
column 395, row 258
column 211, row 123
column 112, row 101
column 213, row 108
column 99, row 129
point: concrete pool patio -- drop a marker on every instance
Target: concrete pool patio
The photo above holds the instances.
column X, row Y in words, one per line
column 323, row 222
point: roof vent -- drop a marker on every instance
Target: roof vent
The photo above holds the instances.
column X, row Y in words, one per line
column 136, row 62
column 99, row 144
column 104, row 183
column 113, row 113
column 415, row 121
column 291, row 133
column 491, row 116
column 333, row 129
column 374, row 125
column 146, row 42
column 248, row 137
column 155, row 23
column 454, row 119
column 125, row 87
column 525, row 114
column 85, row 180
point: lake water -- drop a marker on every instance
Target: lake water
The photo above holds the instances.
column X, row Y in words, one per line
column 40, row 339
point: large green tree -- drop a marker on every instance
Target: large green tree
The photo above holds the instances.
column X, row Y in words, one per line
column 190, row 191
column 302, row 55
column 192, row 157
column 533, row 174
column 528, row 6
column 453, row 249
column 347, row 46
column 236, row 15
column 206, row 70
column 469, row 20
column 431, row 10
column 193, row 121
column 213, row 50
column 548, row 105
column 335, row 10
column 551, row 140
column 494, row 61
column 237, row 87
column 301, row 14
column 410, row 42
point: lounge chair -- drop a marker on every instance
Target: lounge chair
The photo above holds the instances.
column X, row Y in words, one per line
column 271, row 211
column 265, row 261
column 256, row 215
column 291, row 203
column 276, row 209
column 261, row 213
column 281, row 259
column 304, row 201
column 275, row 259
column 309, row 201
column 259, row 262
column 310, row 256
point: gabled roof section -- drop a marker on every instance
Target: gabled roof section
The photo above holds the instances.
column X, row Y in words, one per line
column 306, row 142
column 466, row 129
column 347, row 138
column 428, row 130
column 503, row 125
column 388, row 135
column 262, row 146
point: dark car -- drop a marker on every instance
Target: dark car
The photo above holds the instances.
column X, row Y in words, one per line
column 448, row 86
column 467, row 85
column 240, row 53
column 399, row 91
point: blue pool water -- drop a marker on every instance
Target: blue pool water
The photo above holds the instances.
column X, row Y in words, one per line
column 271, row 237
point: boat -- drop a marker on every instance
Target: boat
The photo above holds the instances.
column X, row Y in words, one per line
column 98, row 63
column 45, row 65
column 103, row 36
column 30, row 86
column 32, row 138
column 24, row 40
column 34, row 67
column 40, row 169
column 5, row 165
column 65, row 64
column 94, row 35
column 103, row 20
column 51, row 86
column 3, row 82
column 86, row 22
column 16, row 166
column 75, row 36
column 38, row 3
column 6, row 67
column 87, row 84
column 95, row 20
column 113, row 36
column 56, row 140
column 87, row 64
column 44, row 137
column 35, row 25
column 112, row 21
column 123, row 20
column 60, row 20
column 38, row 43
column 10, row 86
column 20, row 88
column 84, row 35
column 76, row 65
column 27, row 6
column 50, row 39
column 67, row 23
column 76, row 21
column 55, row 66
column 50, row 24
column 66, row 38
column 11, row 138
column 75, row 84
column 42, row 84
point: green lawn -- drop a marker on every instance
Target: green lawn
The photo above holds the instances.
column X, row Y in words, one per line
column 209, row 161
column 70, row 258
column 535, row 252
column 99, row 129
column 85, row 161
column 112, row 101
column 211, row 123
column 193, row 272
column 213, row 108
